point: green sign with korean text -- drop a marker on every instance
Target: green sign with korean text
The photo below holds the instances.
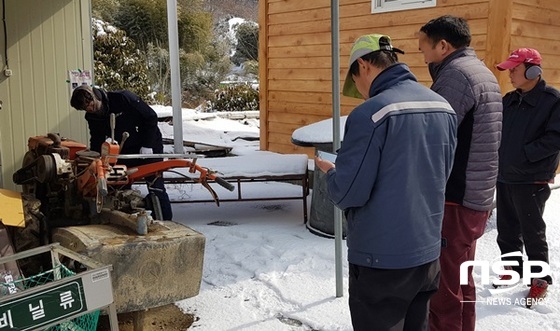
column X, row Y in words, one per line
column 43, row 307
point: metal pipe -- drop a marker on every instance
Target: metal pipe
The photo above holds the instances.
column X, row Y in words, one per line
column 156, row 156
column 175, row 75
column 336, row 137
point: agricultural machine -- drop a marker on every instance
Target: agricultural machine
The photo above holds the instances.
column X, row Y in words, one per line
column 84, row 200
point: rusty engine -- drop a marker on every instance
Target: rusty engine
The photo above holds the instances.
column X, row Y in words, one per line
column 67, row 179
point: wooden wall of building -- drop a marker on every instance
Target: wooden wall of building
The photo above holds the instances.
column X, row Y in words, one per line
column 536, row 24
column 295, row 51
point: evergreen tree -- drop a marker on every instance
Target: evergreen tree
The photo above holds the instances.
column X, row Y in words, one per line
column 145, row 21
column 135, row 56
column 247, row 48
column 118, row 64
column 105, row 9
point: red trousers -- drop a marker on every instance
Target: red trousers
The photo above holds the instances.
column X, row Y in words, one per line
column 453, row 307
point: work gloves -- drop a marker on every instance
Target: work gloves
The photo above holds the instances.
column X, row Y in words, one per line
column 146, row 150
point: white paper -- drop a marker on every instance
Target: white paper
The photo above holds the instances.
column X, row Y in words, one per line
column 327, row 156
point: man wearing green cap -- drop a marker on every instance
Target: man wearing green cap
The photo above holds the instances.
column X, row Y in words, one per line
column 389, row 179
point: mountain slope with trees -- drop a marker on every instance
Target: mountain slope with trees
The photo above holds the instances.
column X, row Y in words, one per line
column 131, row 47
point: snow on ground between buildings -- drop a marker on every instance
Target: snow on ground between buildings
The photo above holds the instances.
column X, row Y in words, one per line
column 263, row 270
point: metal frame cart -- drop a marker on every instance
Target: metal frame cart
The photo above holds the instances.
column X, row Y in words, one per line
column 62, row 298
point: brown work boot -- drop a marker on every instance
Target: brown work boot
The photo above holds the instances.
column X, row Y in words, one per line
column 537, row 293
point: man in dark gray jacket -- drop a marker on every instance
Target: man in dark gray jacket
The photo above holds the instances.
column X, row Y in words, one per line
column 473, row 92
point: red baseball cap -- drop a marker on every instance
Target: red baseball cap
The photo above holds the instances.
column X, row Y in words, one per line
column 521, row 55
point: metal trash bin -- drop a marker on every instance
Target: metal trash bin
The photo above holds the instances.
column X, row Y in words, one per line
column 321, row 216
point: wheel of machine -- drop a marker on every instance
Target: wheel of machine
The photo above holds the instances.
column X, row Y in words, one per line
column 34, row 234
column 153, row 204
column 46, row 169
column 29, row 158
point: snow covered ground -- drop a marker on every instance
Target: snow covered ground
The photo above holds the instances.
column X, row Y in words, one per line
column 263, row 270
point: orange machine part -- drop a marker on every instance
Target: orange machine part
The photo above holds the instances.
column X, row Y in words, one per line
column 109, row 149
column 74, row 147
column 45, row 142
column 87, row 182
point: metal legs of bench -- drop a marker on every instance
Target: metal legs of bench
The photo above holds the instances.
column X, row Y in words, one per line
column 302, row 178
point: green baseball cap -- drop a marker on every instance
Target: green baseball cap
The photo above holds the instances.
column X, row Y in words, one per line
column 364, row 45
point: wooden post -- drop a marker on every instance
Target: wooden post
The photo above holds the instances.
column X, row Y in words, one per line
column 263, row 73
column 498, row 39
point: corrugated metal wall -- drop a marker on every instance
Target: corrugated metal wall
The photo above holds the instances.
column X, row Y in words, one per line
column 44, row 39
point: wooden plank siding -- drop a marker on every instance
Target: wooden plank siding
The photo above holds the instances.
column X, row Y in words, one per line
column 295, row 51
column 535, row 24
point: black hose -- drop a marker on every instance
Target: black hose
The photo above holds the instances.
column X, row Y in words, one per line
column 5, row 32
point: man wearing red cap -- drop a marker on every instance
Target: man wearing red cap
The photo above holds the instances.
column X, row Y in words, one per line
column 528, row 162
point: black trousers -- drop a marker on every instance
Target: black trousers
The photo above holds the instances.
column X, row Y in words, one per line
column 158, row 188
column 391, row 299
column 155, row 185
column 520, row 208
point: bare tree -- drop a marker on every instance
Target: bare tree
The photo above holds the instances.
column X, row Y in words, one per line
column 247, row 9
